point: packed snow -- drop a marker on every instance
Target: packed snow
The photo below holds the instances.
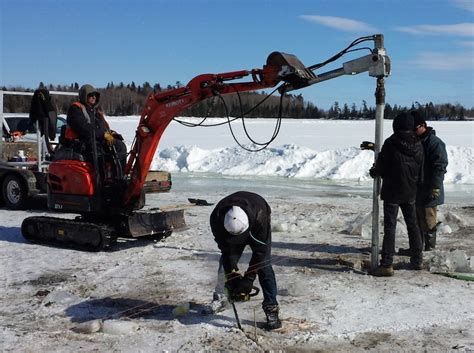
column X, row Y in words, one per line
column 148, row 295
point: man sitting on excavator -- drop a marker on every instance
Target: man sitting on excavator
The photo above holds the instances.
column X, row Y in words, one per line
column 87, row 121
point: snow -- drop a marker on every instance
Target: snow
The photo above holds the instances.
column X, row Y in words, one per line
column 147, row 295
column 304, row 148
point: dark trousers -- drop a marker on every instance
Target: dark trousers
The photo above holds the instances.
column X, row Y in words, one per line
column 267, row 280
column 390, row 212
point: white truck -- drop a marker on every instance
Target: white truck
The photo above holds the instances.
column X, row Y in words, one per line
column 23, row 158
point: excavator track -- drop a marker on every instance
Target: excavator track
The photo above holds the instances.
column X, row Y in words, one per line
column 75, row 233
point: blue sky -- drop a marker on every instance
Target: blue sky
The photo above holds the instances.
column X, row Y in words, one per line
column 430, row 43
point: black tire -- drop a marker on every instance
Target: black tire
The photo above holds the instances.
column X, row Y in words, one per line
column 14, row 192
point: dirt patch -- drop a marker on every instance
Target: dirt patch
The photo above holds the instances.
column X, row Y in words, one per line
column 49, row 279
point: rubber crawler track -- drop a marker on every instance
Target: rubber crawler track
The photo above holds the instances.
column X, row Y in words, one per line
column 74, row 233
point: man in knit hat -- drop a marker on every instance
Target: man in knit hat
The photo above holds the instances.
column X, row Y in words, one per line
column 400, row 164
column 431, row 193
column 238, row 220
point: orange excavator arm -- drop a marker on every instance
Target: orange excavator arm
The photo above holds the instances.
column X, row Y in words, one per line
column 160, row 108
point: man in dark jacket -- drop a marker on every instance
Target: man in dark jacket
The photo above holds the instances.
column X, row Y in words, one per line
column 431, row 193
column 238, row 220
column 400, row 164
column 85, row 118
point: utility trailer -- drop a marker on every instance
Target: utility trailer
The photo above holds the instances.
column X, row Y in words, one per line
column 24, row 161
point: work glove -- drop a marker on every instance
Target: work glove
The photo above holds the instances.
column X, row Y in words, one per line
column 435, row 192
column 367, row 145
column 232, row 281
column 373, row 172
column 239, row 289
column 243, row 286
column 109, row 138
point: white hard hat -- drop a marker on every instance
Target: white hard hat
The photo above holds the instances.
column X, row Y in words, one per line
column 236, row 221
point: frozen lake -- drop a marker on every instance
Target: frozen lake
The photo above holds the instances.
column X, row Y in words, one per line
column 205, row 185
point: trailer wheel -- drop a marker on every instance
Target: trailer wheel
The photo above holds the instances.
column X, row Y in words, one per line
column 14, row 191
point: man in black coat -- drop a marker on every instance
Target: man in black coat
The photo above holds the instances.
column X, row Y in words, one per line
column 400, row 164
column 85, row 118
column 431, row 193
column 238, row 220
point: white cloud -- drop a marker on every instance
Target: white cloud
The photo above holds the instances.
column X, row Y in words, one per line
column 444, row 61
column 464, row 4
column 343, row 24
column 459, row 29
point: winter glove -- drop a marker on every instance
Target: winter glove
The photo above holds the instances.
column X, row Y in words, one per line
column 372, row 172
column 367, row 145
column 232, row 281
column 435, row 192
column 238, row 287
column 109, row 138
column 243, row 286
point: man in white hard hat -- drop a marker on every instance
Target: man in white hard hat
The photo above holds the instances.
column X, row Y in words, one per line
column 238, row 220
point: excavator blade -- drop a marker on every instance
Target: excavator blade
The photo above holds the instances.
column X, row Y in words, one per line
column 143, row 223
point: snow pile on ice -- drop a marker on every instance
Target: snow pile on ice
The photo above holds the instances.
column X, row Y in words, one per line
column 304, row 148
column 296, row 162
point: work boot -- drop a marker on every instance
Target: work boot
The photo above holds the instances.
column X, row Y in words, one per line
column 416, row 263
column 273, row 321
column 383, row 271
column 404, row 252
column 430, row 239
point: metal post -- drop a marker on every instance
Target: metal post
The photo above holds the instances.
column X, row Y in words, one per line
column 379, row 111
column 39, row 153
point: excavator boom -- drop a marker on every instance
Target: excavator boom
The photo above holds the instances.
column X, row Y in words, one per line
column 160, row 108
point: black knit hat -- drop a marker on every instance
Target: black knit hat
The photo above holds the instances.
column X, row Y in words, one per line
column 403, row 122
column 418, row 118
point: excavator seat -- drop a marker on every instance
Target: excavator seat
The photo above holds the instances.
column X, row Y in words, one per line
column 69, row 148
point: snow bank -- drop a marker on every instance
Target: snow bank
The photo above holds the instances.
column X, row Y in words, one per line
column 296, row 162
column 327, row 149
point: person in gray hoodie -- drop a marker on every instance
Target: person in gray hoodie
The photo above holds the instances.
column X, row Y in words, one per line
column 86, row 119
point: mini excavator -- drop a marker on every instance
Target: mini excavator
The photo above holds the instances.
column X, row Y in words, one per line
column 111, row 207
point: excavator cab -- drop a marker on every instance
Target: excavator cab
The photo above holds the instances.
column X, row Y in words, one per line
column 81, row 181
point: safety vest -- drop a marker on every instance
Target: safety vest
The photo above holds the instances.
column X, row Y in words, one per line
column 70, row 134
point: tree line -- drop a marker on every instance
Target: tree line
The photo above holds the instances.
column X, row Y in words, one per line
column 128, row 99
